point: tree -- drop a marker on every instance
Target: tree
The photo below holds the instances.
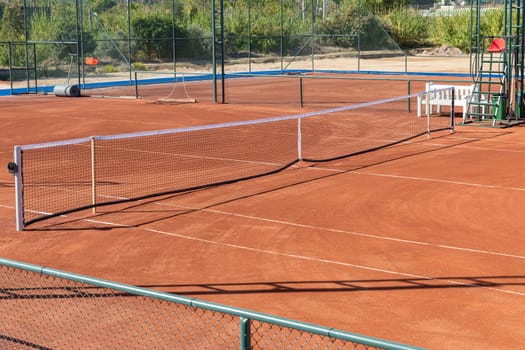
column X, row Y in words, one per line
column 12, row 29
column 154, row 35
column 102, row 5
column 12, row 23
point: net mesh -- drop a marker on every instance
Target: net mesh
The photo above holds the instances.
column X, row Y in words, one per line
column 360, row 130
column 62, row 177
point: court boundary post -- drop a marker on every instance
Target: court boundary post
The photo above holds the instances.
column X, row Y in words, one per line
column 136, row 86
column 408, row 93
column 301, row 103
column 452, row 110
column 429, row 135
column 299, row 140
column 19, row 189
column 93, row 176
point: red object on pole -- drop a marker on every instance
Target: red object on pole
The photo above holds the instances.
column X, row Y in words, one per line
column 497, row 45
column 91, row 61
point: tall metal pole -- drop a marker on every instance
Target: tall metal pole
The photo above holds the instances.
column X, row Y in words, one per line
column 359, row 35
column 281, row 34
column 129, row 40
column 249, row 36
column 313, row 34
column 521, row 62
column 80, row 59
column 222, row 51
column 11, row 63
column 173, row 38
column 26, row 38
column 78, row 37
column 213, row 51
column 511, row 36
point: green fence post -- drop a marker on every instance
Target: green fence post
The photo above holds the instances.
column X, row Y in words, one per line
column 301, row 91
column 245, row 333
column 213, row 53
column 281, row 34
column 129, row 37
column 250, row 36
column 10, row 61
column 137, row 86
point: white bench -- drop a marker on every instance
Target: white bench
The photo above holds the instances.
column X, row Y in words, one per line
column 462, row 96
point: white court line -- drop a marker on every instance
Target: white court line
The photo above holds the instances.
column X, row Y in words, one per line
column 353, row 233
column 456, row 136
column 332, row 262
column 481, row 148
column 491, row 149
column 306, row 258
column 288, row 223
column 472, row 184
column 108, row 223
column 117, row 120
column 462, row 183
column 319, row 260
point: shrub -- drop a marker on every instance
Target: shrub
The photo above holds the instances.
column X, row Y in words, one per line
column 492, row 22
column 12, row 29
column 155, row 35
column 453, row 31
column 345, row 26
column 139, row 66
column 109, row 68
column 407, row 27
column 342, row 27
column 198, row 43
column 352, row 27
column 112, row 48
column 12, row 23
column 102, row 5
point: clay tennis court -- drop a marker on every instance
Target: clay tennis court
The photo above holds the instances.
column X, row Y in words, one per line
column 419, row 243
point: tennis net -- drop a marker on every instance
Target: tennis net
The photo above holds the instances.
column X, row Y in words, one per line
column 58, row 178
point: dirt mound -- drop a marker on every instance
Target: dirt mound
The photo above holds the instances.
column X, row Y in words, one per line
column 442, row 51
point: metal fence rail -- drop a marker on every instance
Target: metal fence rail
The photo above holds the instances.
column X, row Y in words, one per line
column 44, row 308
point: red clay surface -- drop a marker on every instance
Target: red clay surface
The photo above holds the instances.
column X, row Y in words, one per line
column 421, row 244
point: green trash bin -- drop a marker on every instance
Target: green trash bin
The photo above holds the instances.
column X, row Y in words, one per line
column 501, row 112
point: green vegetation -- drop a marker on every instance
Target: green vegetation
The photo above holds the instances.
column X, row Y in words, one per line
column 109, row 69
column 408, row 27
column 274, row 27
column 139, row 66
column 11, row 29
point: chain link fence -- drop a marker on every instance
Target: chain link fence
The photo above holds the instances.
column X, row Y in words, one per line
column 43, row 308
column 92, row 42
